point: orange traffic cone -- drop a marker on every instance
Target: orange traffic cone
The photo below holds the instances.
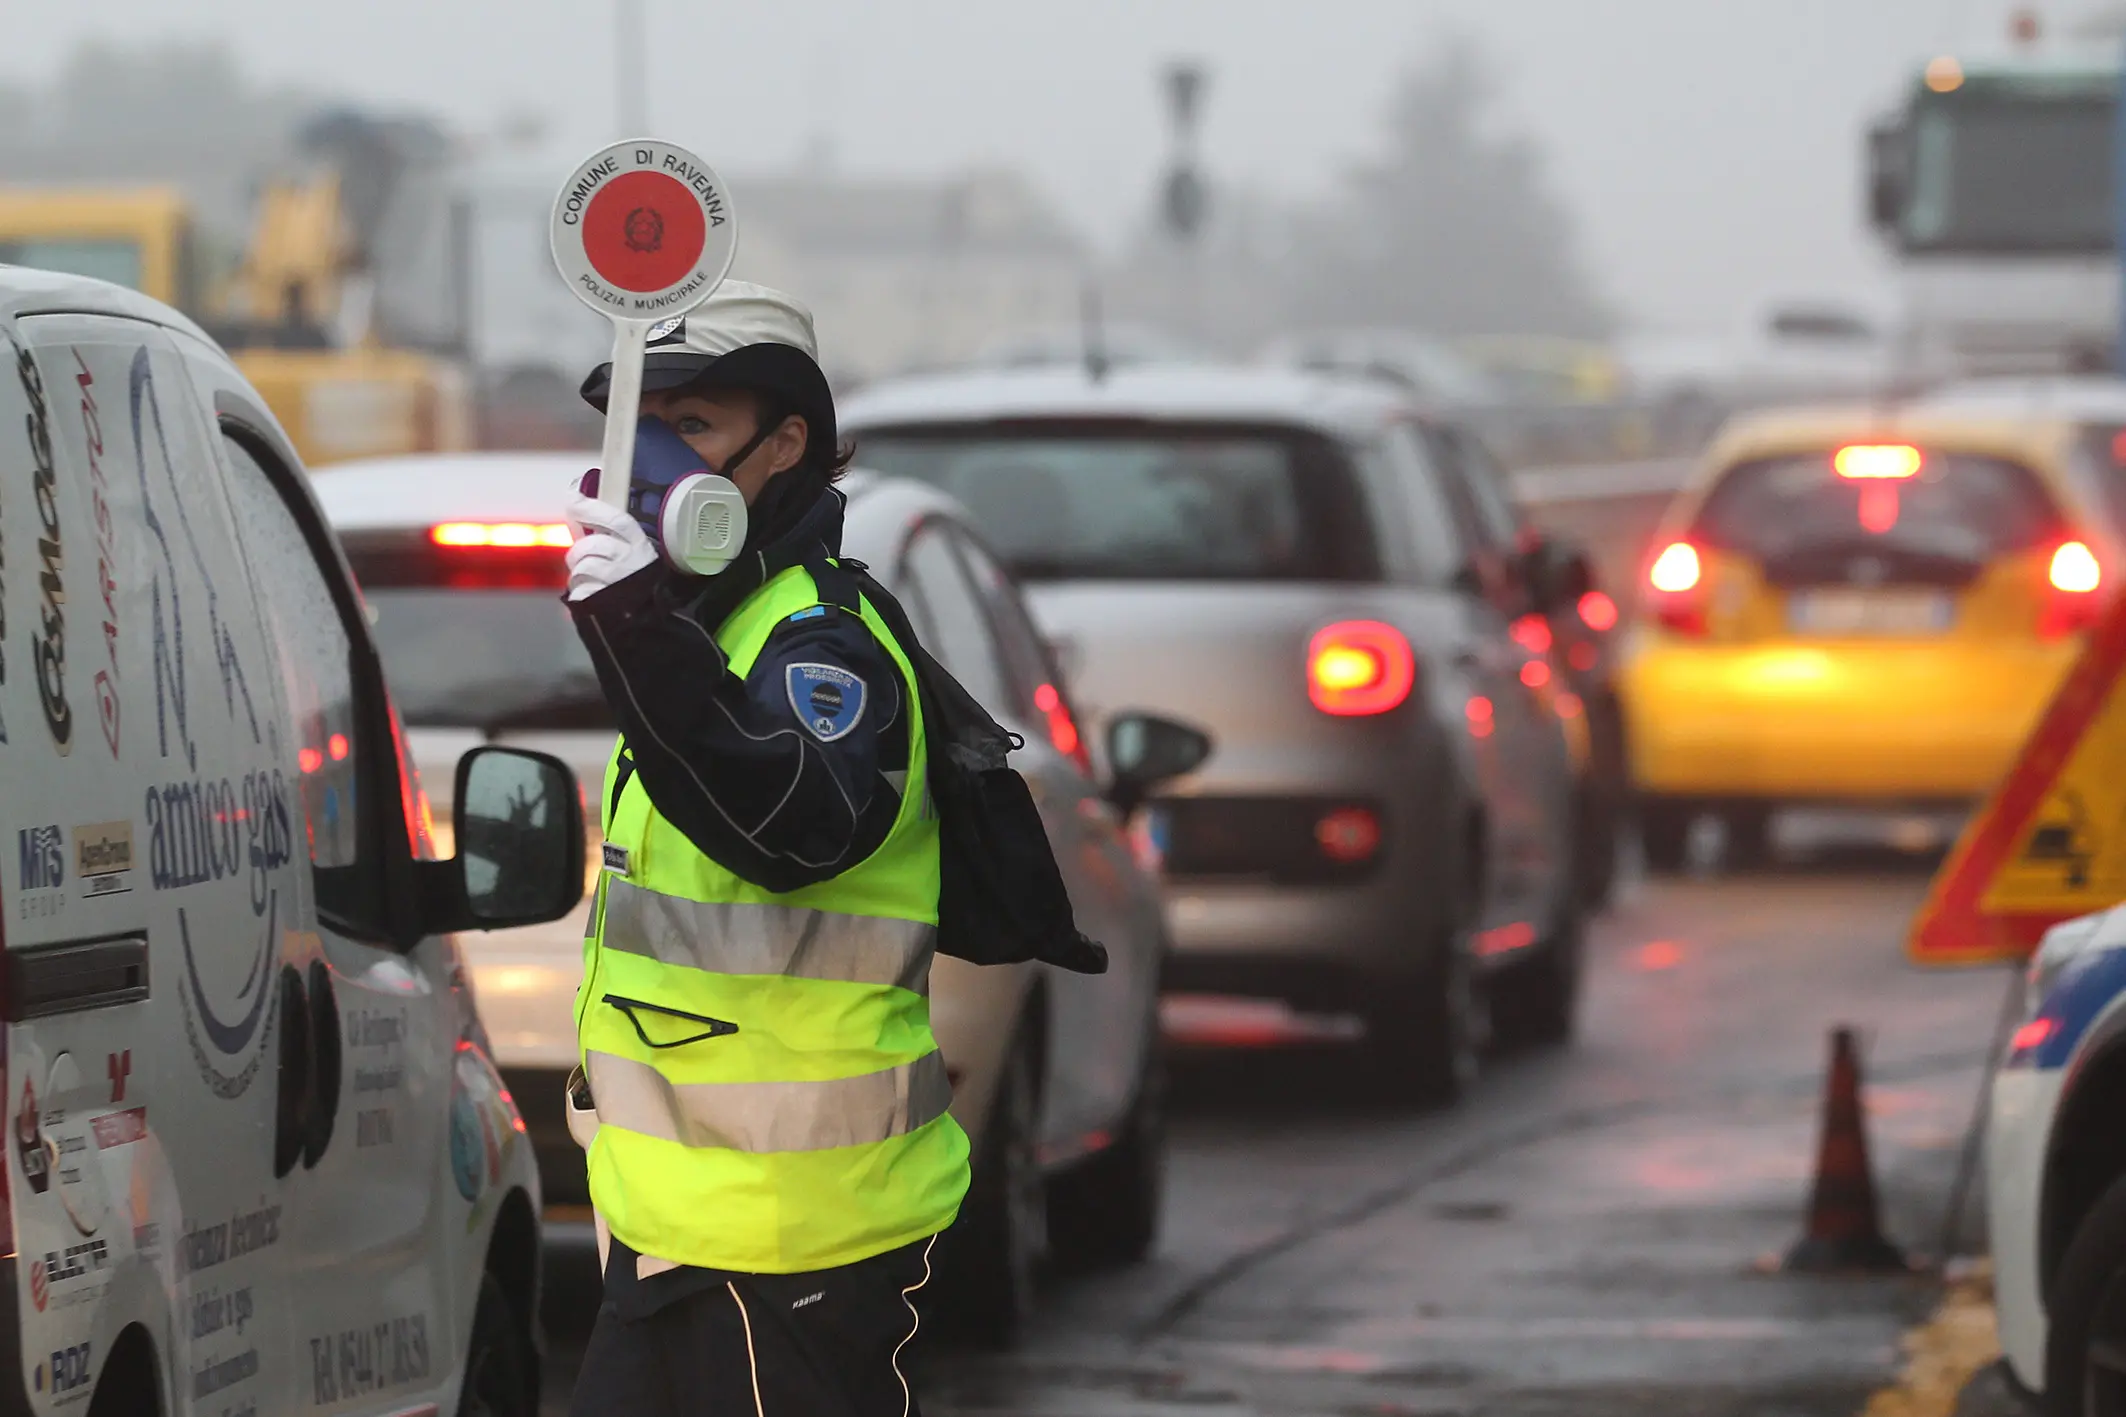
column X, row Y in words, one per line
column 1845, row 1225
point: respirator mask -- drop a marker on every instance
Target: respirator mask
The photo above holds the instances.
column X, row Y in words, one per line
column 695, row 516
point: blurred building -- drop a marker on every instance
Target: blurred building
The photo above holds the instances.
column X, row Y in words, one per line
column 906, row 274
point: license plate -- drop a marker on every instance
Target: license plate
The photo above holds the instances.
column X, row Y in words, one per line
column 1870, row 612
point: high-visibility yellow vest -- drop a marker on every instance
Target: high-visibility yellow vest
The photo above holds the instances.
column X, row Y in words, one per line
column 815, row 1133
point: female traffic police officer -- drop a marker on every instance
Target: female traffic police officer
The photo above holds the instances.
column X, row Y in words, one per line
column 774, row 1158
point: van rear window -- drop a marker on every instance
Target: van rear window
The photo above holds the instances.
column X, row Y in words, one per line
column 1953, row 507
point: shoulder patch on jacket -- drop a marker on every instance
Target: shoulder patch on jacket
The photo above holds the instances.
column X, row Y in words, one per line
column 814, row 612
column 826, row 698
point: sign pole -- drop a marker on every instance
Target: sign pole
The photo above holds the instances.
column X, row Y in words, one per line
column 623, row 406
column 2118, row 219
column 642, row 231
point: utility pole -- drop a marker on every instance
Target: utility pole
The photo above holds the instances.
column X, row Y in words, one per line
column 1184, row 202
column 2118, row 198
column 631, row 84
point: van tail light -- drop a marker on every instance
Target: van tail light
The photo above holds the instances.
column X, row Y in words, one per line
column 1062, row 727
column 2072, row 603
column 1359, row 667
column 1677, row 585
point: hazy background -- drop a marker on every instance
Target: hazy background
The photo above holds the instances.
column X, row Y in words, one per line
column 1707, row 150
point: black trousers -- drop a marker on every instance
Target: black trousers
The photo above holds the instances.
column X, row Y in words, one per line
column 709, row 1343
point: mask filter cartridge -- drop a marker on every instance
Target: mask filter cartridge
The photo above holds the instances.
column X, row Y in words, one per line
column 696, row 516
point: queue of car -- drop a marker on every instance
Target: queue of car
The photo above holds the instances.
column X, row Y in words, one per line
column 1299, row 566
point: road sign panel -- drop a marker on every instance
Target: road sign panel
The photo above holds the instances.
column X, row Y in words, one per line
column 642, row 231
column 2050, row 843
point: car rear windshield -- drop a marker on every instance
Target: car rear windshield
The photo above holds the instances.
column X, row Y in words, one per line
column 1140, row 501
column 476, row 637
column 1956, row 507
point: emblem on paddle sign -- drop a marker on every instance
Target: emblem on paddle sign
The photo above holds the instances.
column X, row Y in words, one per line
column 642, row 232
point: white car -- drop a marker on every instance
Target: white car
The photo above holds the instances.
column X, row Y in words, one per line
column 260, row 1159
column 1056, row 1076
column 2056, row 1174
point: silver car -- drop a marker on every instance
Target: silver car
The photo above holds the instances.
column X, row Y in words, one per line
column 1057, row 1076
column 1381, row 844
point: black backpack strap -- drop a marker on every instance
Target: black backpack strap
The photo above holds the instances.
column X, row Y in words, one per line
column 626, row 770
column 838, row 584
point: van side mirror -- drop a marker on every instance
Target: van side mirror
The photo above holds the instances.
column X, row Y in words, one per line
column 1889, row 160
column 1145, row 750
column 518, row 817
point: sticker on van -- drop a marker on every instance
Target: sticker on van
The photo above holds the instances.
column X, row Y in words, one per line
column 103, row 858
column 100, row 523
column 48, row 635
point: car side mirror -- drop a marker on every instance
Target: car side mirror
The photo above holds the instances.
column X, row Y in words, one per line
column 1145, row 750
column 518, row 817
column 1557, row 573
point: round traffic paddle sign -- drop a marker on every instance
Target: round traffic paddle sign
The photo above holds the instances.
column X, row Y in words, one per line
column 643, row 230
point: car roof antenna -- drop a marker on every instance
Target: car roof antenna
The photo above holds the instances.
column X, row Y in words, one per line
column 1094, row 333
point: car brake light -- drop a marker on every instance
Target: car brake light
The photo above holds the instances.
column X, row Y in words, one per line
column 1877, row 460
column 2075, row 576
column 509, row 535
column 1598, row 612
column 1348, row 834
column 2075, row 570
column 2033, row 1035
column 1482, row 716
column 1359, row 667
column 1879, row 508
column 1676, row 569
column 1675, row 578
column 1062, row 727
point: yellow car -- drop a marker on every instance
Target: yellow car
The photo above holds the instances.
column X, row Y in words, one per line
column 1868, row 605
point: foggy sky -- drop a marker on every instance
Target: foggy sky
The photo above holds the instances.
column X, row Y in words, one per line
column 1709, row 148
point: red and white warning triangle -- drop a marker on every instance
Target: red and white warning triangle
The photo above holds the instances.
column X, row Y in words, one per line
column 2050, row 843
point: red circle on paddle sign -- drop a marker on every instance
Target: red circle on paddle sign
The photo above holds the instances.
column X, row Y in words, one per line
column 644, row 231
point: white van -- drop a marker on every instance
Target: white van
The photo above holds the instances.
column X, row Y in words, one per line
column 260, row 1159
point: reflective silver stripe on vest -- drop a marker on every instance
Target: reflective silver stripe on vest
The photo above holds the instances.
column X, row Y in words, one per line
column 726, row 938
column 770, row 1116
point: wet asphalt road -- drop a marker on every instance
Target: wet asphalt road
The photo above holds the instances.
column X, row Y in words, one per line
column 1584, row 1235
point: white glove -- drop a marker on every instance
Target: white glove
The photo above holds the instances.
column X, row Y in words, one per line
column 610, row 546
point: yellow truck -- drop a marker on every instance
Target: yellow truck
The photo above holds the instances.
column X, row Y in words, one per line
column 338, row 391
